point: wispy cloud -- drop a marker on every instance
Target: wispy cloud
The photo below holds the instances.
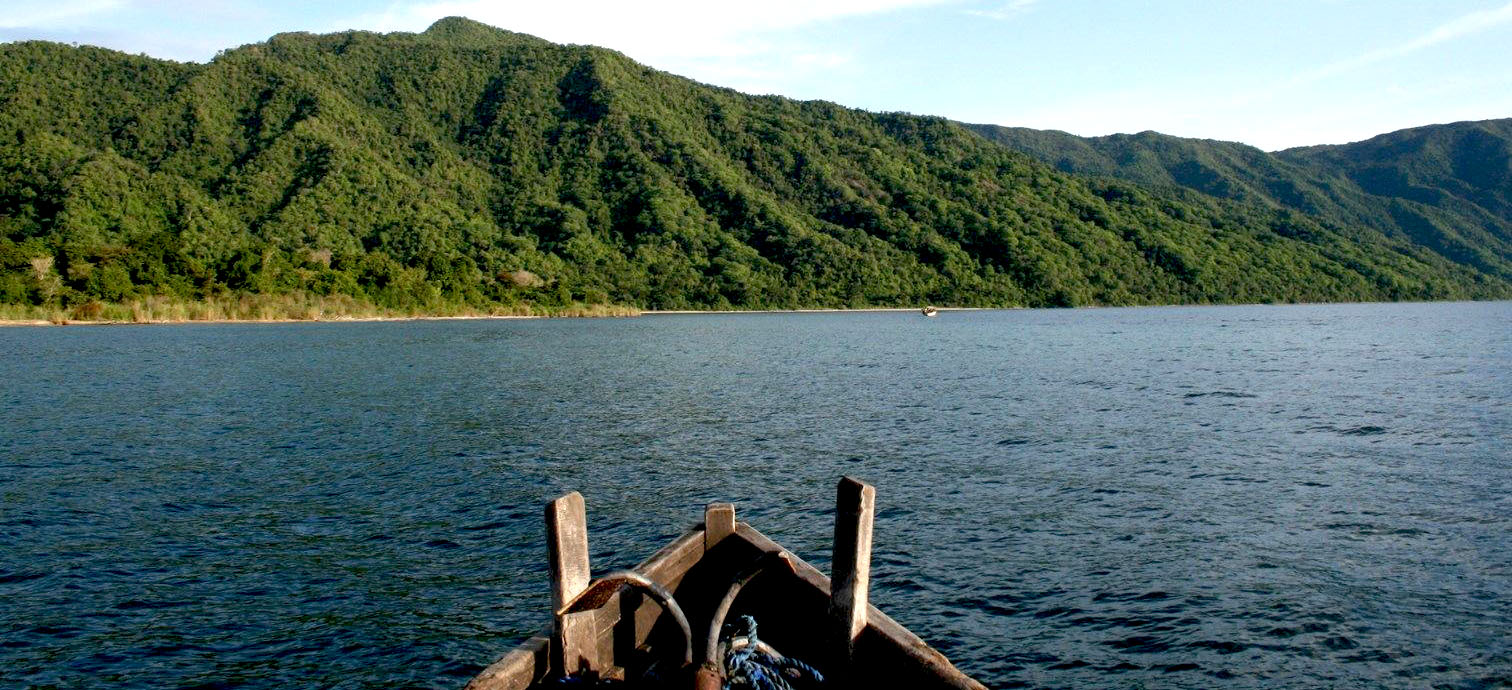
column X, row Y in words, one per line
column 1272, row 125
column 750, row 46
column 1006, row 10
column 1473, row 23
column 44, row 14
column 1460, row 27
column 683, row 28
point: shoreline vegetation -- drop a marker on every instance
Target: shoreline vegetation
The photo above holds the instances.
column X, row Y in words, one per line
column 254, row 308
column 258, row 308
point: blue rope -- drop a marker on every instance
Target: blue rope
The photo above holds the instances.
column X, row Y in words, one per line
column 749, row 668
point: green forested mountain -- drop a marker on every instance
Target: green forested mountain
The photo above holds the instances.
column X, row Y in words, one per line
column 1447, row 188
column 469, row 167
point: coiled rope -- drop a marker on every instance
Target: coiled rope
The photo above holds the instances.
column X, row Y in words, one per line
column 750, row 664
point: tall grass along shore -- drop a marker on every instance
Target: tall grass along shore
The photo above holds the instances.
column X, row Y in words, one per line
column 286, row 307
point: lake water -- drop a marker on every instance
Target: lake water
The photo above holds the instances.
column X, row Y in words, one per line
column 1225, row 497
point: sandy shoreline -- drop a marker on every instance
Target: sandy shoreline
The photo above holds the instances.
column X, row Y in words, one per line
column 810, row 311
column 344, row 319
column 365, row 319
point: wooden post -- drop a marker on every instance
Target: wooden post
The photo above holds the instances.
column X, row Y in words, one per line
column 855, row 504
column 574, row 646
column 719, row 522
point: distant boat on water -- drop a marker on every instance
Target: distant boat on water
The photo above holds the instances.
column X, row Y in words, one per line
column 930, row 311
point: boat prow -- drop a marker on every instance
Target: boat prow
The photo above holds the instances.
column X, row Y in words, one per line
column 663, row 623
column 930, row 311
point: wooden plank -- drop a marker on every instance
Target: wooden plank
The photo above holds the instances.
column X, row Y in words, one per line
column 803, row 569
column 895, row 647
column 574, row 636
column 855, row 505
column 719, row 522
column 890, row 651
column 885, row 638
column 670, row 563
column 667, row 566
column 519, row 668
column 884, row 644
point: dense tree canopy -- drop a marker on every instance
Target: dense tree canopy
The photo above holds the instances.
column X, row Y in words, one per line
column 1446, row 188
column 472, row 166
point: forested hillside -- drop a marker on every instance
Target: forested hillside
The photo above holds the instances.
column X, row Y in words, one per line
column 1447, row 188
column 472, row 168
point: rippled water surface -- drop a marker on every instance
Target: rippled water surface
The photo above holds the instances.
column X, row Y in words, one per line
column 1231, row 497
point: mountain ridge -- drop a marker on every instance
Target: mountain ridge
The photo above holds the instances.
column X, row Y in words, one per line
column 471, row 166
column 1423, row 198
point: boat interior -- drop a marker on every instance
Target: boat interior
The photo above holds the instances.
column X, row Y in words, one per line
column 668, row 621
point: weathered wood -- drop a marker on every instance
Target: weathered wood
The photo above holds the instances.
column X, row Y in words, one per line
column 719, row 522
column 667, row 566
column 517, row 669
column 899, row 648
column 671, row 562
column 775, row 562
column 855, row 504
column 882, row 653
column 804, row 570
column 574, row 636
column 885, row 638
column 605, row 588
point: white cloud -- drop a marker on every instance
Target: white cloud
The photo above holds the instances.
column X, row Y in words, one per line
column 1005, row 11
column 44, row 14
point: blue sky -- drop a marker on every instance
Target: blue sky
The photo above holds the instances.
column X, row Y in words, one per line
column 1272, row 73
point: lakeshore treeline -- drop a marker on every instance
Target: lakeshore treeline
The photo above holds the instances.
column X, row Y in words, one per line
column 469, row 169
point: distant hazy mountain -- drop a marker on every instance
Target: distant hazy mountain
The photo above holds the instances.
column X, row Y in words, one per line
column 469, row 165
column 1444, row 187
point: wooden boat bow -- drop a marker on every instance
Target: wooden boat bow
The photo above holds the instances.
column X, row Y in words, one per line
column 628, row 623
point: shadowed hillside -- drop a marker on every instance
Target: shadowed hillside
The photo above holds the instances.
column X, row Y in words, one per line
column 1444, row 187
